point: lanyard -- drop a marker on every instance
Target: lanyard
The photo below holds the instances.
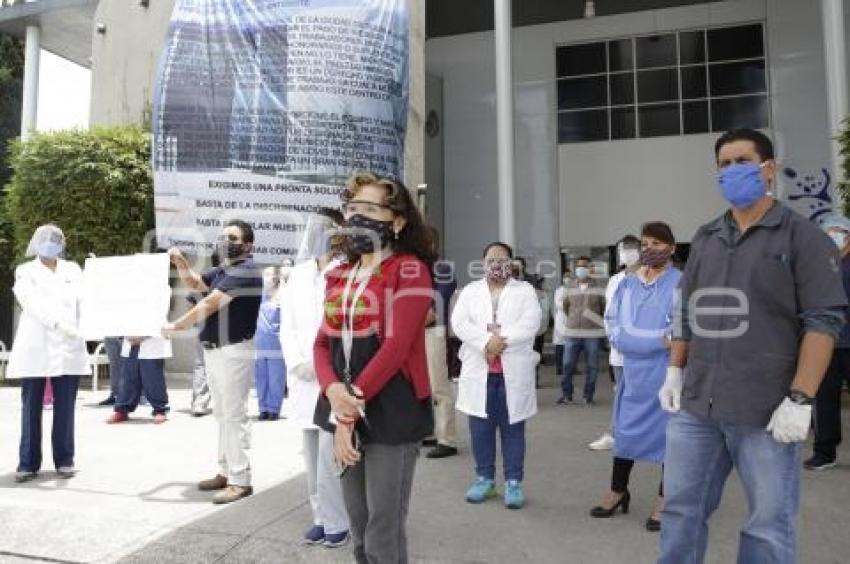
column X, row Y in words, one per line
column 348, row 317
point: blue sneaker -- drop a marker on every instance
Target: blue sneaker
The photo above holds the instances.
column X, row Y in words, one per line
column 333, row 540
column 482, row 490
column 514, row 498
column 316, row 535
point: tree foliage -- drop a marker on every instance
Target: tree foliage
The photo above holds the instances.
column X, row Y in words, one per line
column 96, row 185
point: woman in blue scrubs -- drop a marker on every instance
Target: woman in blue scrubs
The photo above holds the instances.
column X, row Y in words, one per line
column 641, row 318
column 269, row 368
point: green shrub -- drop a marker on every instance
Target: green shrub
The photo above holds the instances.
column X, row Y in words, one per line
column 96, row 185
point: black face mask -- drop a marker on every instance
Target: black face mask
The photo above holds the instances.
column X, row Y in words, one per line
column 367, row 231
column 229, row 249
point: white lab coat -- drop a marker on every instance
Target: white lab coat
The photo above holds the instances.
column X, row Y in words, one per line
column 301, row 310
column 519, row 316
column 46, row 298
column 150, row 348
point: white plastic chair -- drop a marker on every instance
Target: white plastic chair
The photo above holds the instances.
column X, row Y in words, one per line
column 97, row 359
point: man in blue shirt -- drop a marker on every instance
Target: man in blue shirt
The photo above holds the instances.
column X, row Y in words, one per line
column 229, row 313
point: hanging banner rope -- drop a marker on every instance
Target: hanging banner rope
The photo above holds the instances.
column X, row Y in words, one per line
column 263, row 107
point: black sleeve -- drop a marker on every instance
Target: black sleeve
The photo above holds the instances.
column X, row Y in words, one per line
column 238, row 281
column 817, row 270
column 207, row 277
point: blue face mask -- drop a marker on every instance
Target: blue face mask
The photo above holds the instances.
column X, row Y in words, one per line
column 50, row 249
column 582, row 272
column 742, row 184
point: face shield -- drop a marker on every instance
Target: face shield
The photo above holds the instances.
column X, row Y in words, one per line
column 48, row 242
column 316, row 241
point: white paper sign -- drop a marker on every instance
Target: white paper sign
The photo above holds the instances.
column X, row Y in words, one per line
column 125, row 296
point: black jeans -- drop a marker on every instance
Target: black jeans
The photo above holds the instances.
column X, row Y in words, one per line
column 622, row 471
column 827, row 412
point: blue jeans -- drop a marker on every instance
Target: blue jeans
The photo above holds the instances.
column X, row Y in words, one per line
column 142, row 375
column 572, row 350
column 700, row 454
column 64, row 399
column 483, row 432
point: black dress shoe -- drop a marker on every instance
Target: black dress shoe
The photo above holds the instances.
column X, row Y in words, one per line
column 108, row 401
column 601, row 512
column 653, row 525
column 272, row 416
column 263, row 416
column 429, row 442
column 441, row 451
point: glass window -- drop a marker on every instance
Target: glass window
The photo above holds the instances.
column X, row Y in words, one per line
column 656, row 51
column 661, row 119
column 678, row 83
column 747, row 77
column 695, row 117
column 572, row 60
column 623, row 123
column 586, row 92
column 733, row 113
column 693, row 82
column 658, row 85
column 741, row 42
column 620, row 55
column 691, row 47
column 622, row 88
column 590, row 125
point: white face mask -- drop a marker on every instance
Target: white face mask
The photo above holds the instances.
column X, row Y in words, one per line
column 840, row 239
column 629, row 257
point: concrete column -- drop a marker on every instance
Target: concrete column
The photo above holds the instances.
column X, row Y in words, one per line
column 505, row 121
column 31, row 58
column 835, row 52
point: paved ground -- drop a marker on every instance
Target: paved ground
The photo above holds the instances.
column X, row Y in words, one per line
column 135, row 501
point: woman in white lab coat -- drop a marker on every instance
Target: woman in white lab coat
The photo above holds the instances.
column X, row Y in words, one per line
column 301, row 309
column 47, row 345
column 497, row 319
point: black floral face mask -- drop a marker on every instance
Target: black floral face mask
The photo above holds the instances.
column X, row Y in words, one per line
column 367, row 231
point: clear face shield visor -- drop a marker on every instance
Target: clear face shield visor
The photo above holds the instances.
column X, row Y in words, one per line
column 48, row 241
column 316, row 241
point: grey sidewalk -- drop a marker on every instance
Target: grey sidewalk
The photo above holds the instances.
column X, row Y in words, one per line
column 135, row 499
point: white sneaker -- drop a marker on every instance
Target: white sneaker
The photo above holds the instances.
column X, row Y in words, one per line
column 605, row 442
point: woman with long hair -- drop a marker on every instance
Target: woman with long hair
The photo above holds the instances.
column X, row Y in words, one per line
column 371, row 363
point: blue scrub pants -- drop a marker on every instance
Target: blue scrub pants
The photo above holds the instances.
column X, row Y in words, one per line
column 483, row 432
column 270, row 381
column 64, row 398
column 140, row 375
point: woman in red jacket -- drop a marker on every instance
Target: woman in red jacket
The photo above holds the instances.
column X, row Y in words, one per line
column 371, row 364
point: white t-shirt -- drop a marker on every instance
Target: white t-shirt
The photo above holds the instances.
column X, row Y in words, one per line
column 614, row 358
column 151, row 348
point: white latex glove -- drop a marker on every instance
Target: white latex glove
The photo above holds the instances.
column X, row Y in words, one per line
column 670, row 394
column 305, row 372
column 67, row 330
column 790, row 422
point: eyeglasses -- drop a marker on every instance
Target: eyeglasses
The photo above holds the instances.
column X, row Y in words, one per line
column 355, row 207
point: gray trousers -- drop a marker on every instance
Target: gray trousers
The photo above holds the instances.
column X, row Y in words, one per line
column 326, row 499
column 377, row 495
column 112, row 346
column 200, row 383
